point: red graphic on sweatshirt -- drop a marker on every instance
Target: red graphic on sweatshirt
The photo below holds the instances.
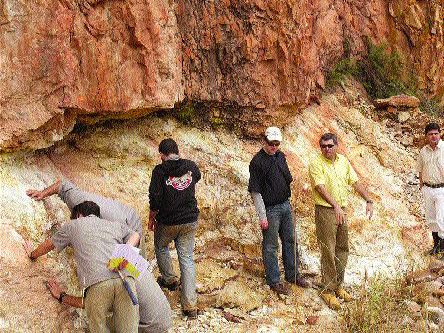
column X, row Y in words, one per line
column 180, row 183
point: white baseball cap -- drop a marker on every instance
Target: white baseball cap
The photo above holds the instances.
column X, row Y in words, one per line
column 273, row 134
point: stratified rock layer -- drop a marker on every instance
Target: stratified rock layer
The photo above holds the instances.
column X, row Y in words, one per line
column 116, row 160
column 92, row 59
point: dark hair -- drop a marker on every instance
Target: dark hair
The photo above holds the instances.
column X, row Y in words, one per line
column 329, row 136
column 168, row 146
column 431, row 127
column 85, row 208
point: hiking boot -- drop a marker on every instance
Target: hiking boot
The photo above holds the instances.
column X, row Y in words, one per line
column 280, row 289
column 437, row 244
column 191, row 314
column 330, row 300
column 170, row 286
column 342, row 294
column 300, row 281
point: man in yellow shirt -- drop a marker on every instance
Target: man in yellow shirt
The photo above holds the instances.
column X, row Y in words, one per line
column 331, row 176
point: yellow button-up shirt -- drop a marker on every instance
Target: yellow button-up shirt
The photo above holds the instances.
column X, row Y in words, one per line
column 336, row 176
column 431, row 163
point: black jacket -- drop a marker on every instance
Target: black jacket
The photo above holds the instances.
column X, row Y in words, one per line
column 270, row 176
column 172, row 191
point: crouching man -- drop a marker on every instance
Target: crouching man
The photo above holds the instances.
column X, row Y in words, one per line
column 93, row 241
column 155, row 311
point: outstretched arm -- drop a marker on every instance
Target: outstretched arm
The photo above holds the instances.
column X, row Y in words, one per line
column 364, row 195
column 41, row 250
column 56, row 291
column 40, row 195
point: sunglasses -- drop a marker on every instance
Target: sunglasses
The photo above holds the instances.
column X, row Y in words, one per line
column 273, row 144
column 327, row 146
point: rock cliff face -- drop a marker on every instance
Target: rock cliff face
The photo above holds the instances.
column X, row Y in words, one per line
column 116, row 160
column 65, row 60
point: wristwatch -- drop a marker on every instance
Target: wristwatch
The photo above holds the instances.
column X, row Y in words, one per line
column 60, row 299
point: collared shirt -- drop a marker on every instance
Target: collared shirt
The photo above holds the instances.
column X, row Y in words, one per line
column 336, row 176
column 93, row 240
column 110, row 209
column 431, row 163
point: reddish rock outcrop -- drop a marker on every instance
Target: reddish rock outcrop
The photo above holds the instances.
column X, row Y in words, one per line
column 65, row 59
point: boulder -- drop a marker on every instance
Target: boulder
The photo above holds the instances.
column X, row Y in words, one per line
column 403, row 101
column 436, row 315
column 237, row 294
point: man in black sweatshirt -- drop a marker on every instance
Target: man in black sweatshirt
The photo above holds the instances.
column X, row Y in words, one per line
column 269, row 186
column 173, row 216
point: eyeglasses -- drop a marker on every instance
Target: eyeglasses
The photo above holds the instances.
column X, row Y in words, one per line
column 273, row 144
column 327, row 146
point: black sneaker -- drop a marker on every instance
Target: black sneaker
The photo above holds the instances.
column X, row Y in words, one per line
column 170, row 286
column 191, row 314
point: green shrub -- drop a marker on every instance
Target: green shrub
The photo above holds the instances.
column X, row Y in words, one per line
column 381, row 72
column 344, row 68
column 186, row 113
column 431, row 107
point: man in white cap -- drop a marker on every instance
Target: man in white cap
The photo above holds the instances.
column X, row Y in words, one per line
column 269, row 186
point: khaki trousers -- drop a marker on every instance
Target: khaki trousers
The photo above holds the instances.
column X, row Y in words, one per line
column 111, row 296
column 333, row 243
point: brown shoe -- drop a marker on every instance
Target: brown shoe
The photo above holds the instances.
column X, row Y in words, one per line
column 301, row 282
column 342, row 294
column 280, row 289
column 330, row 300
column 170, row 286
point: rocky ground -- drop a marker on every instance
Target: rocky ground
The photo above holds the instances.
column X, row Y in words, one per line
column 115, row 159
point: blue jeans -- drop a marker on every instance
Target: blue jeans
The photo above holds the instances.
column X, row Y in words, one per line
column 183, row 237
column 280, row 224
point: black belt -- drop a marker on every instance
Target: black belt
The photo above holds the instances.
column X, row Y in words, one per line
column 434, row 185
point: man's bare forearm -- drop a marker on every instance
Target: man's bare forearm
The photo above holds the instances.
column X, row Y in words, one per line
column 326, row 196
column 74, row 301
column 361, row 191
column 52, row 189
column 42, row 249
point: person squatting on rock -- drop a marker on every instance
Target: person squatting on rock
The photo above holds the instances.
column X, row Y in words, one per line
column 93, row 240
column 155, row 311
column 173, row 217
column 430, row 166
column 269, row 185
column 331, row 176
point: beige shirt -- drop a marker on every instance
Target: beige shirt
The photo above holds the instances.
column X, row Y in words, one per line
column 93, row 240
column 111, row 210
column 431, row 164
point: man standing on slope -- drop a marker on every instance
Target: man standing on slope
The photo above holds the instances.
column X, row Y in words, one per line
column 269, row 186
column 430, row 167
column 331, row 176
column 173, row 217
